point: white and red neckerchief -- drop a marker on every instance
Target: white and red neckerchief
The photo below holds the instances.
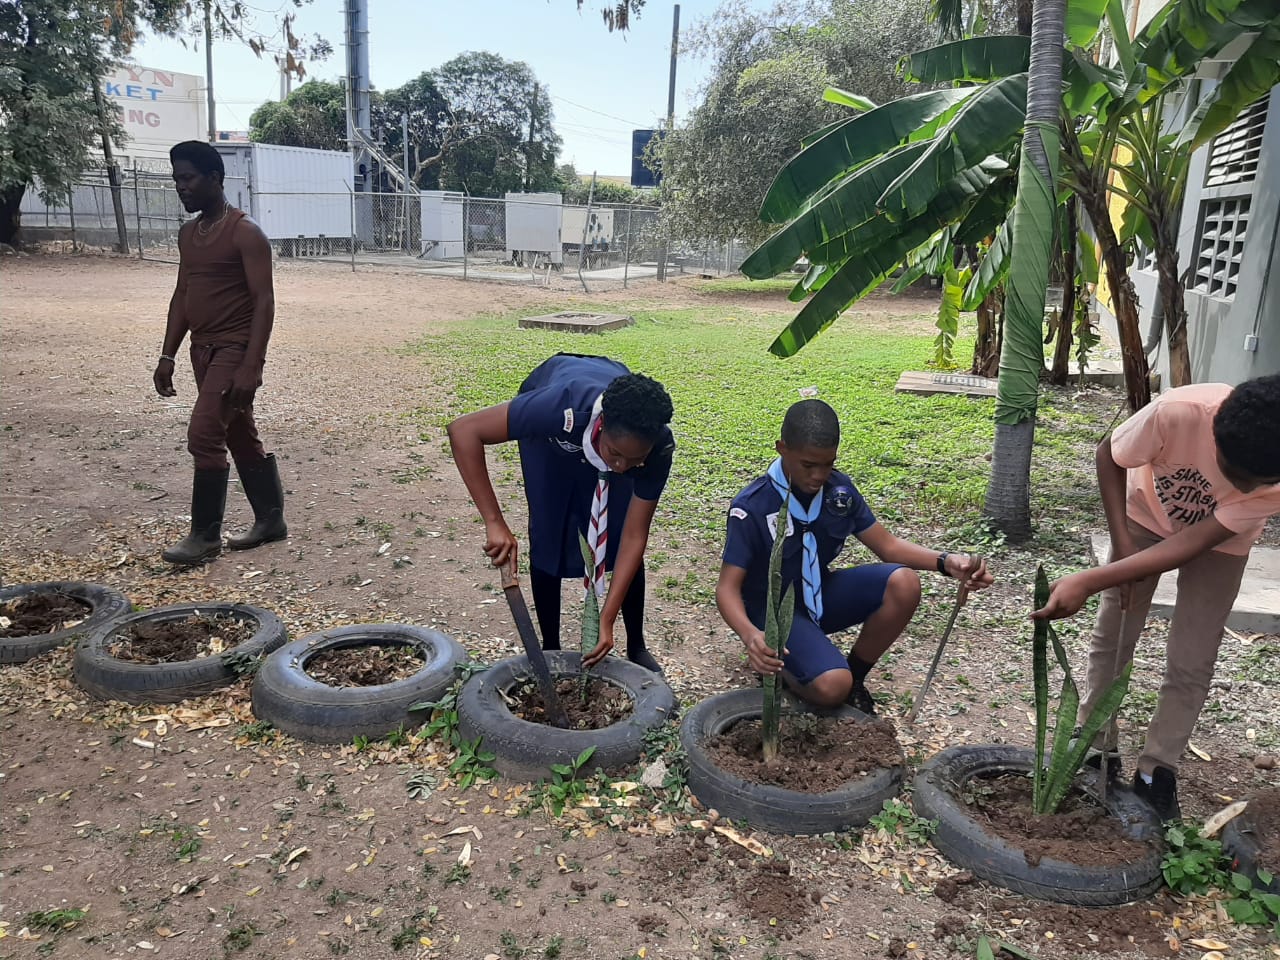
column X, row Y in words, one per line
column 598, row 527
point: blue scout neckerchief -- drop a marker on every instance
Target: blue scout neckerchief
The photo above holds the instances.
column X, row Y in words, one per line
column 811, row 569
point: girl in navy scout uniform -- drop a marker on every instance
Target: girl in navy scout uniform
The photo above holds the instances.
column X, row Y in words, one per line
column 595, row 451
column 826, row 508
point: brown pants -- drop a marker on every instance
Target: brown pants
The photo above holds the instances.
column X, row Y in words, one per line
column 214, row 427
column 1207, row 588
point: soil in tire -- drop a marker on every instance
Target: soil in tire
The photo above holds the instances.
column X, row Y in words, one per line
column 366, row 665
column 173, row 641
column 38, row 613
column 815, row 754
column 603, row 706
column 1081, row 832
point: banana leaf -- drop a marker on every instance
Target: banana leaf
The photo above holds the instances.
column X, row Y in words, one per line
column 1084, row 18
column 993, row 268
column 846, row 99
column 989, row 122
column 1182, row 35
column 850, row 201
column 1250, row 77
column 850, row 143
column 974, row 59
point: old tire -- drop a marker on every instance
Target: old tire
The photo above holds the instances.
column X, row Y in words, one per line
column 963, row 841
column 766, row 806
column 1240, row 844
column 107, row 678
column 105, row 605
column 525, row 751
column 290, row 699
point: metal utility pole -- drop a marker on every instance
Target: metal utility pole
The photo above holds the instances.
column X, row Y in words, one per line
column 208, row 69
column 113, row 172
column 528, row 149
column 663, row 248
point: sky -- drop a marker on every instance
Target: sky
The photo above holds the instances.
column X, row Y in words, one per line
column 603, row 85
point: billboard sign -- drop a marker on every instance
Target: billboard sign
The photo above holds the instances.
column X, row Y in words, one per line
column 157, row 108
column 642, row 176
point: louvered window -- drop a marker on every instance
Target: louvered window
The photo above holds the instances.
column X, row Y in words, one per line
column 1233, row 154
column 1223, row 226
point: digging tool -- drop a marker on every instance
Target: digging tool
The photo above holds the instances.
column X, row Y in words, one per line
column 532, row 648
column 962, row 594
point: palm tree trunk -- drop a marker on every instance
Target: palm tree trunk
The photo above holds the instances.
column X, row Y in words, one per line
column 1008, row 500
column 1175, row 315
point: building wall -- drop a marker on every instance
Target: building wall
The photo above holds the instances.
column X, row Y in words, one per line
column 1232, row 282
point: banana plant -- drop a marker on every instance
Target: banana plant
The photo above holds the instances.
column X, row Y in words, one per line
column 590, row 617
column 779, row 611
column 1052, row 780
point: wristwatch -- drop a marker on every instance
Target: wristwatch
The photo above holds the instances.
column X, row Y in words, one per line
column 942, row 563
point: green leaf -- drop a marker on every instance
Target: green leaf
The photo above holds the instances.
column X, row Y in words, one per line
column 1118, row 30
column 1087, row 83
column 848, row 202
column 1040, row 686
column 1250, row 77
column 563, row 769
column 1086, row 258
column 847, row 99
column 1084, row 19
column 975, row 59
column 1101, row 713
column 948, row 322
column 1265, row 877
column 858, row 275
column 989, row 213
column 584, row 756
column 1061, row 773
column 992, row 270
column 984, row 951
column 1184, row 34
column 988, row 122
column 850, row 143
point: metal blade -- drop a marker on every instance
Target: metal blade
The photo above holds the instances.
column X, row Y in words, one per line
column 961, row 596
column 532, row 647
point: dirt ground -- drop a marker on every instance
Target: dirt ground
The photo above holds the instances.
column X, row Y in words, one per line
column 186, row 833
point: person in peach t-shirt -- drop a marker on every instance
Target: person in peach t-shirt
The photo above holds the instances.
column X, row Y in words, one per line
column 1187, row 484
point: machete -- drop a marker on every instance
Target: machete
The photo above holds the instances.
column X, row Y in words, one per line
column 532, row 648
column 962, row 595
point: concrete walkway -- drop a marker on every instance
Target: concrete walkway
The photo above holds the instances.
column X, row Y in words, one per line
column 1257, row 608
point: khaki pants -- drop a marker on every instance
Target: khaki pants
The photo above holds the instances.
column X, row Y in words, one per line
column 1207, row 588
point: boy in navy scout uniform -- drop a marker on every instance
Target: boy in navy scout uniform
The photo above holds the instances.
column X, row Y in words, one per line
column 826, row 508
column 595, row 451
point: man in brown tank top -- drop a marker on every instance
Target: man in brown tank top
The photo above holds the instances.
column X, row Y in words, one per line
column 224, row 299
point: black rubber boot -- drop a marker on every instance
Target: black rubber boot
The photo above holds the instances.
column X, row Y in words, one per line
column 208, row 501
column 1161, row 792
column 262, row 487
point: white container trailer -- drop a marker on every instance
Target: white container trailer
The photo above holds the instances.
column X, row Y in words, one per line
column 294, row 193
column 441, row 213
column 534, row 222
column 599, row 227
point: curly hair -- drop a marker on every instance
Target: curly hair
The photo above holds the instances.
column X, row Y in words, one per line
column 1247, row 427
column 811, row 423
column 637, row 405
column 203, row 156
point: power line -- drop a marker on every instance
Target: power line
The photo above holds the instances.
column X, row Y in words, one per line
column 581, row 106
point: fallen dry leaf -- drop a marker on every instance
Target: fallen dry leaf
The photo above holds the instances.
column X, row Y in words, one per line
column 1216, row 823
column 1210, row 944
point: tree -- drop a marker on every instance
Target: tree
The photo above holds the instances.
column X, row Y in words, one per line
column 314, row 115
column 500, row 133
column 431, row 127
column 53, row 56
column 765, row 95
column 1008, row 500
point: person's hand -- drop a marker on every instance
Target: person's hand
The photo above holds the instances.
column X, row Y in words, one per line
column 163, row 378
column 244, row 384
column 499, row 542
column 602, row 647
column 759, row 655
column 1066, row 597
column 970, row 570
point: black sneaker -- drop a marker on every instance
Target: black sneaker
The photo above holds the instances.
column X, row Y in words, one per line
column 860, row 699
column 1161, row 792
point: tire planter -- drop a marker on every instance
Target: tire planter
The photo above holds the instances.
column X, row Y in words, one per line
column 108, row 678
column 525, row 751
column 1239, row 843
column 105, row 605
column 963, row 841
column 290, row 699
column 767, row 806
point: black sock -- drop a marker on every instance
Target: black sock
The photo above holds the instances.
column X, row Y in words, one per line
column 633, row 621
column 859, row 667
column 546, row 605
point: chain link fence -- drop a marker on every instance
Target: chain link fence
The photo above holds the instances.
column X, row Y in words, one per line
column 521, row 239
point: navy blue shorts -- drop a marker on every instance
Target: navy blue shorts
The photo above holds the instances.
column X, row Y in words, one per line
column 849, row 597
